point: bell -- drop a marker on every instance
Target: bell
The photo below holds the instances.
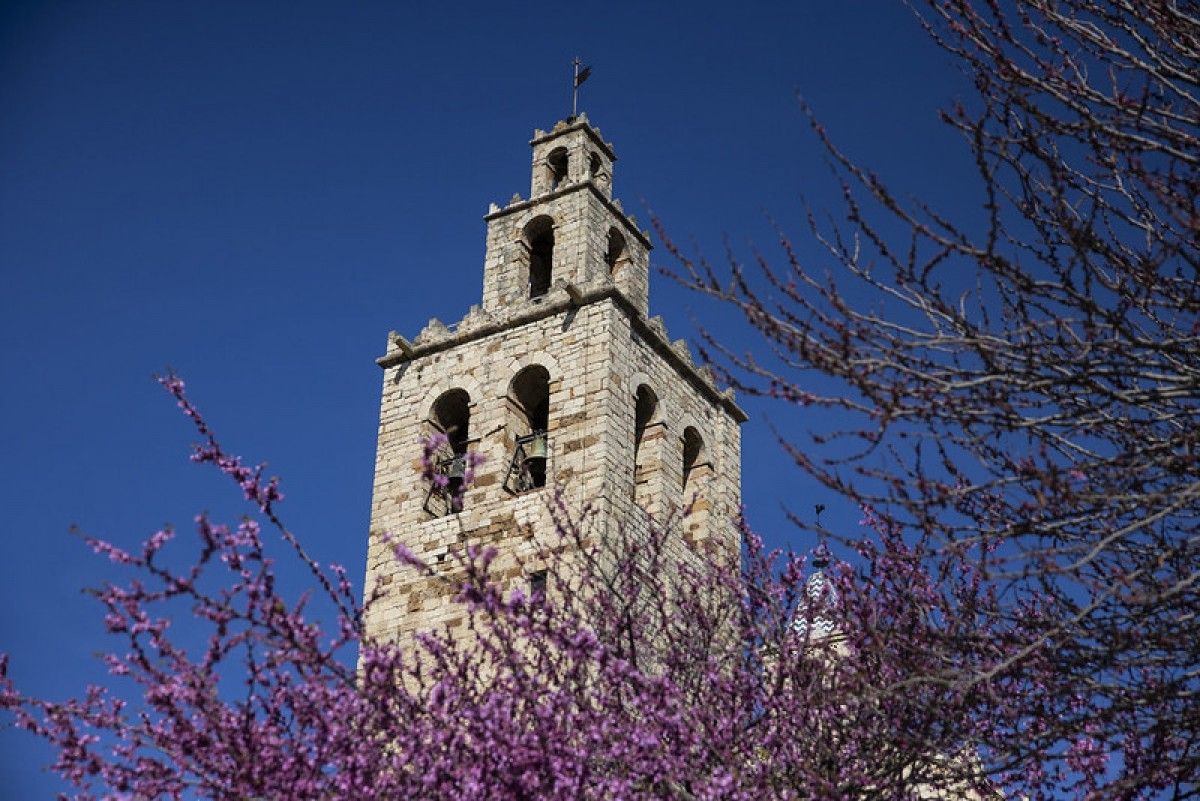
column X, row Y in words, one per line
column 536, row 449
column 457, row 468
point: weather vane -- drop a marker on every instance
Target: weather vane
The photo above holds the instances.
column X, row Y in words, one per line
column 581, row 75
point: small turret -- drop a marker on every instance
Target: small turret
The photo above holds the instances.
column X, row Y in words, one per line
column 570, row 232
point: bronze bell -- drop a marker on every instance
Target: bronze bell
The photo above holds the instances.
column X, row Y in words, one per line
column 536, row 449
column 457, row 467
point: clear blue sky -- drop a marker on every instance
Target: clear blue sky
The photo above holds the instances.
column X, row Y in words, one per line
column 256, row 193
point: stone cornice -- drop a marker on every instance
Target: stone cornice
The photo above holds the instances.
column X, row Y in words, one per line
column 567, row 298
column 618, row 212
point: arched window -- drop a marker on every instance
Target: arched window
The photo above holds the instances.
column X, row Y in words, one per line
column 615, row 256
column 557, row 167
column 696, row 471
column 529, row 398
column 450, row 415
column 645, row 465
column 537, row 586
column 693, row 459
column 645, row 406
column 539, row 239
column 596, row 172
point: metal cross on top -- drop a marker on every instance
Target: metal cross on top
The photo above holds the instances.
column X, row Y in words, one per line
column 581, row 75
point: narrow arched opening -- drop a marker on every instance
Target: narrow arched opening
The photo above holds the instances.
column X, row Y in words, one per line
column 558, row 165
column 645, row 465
column 693, row 458
column 615, row 255
column 645, row 408
column 450, row 415
column 529, row 396
column 696, row 471
column 539, row 239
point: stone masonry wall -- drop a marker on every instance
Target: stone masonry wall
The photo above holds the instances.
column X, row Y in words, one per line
column 596, row 357
column 573, row 352
column 582, row 221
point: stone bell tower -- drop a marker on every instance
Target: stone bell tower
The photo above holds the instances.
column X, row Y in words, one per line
column 560, row 381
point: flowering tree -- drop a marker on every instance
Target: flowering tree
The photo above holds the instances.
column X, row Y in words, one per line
column 635, row 674
column 1018, row 617
column 1022, row 395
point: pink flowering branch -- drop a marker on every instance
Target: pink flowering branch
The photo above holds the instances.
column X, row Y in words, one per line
column 263, row 494
column 1016, row 393
column 644, row 669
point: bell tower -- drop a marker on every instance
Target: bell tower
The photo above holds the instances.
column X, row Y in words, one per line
column 560, row 382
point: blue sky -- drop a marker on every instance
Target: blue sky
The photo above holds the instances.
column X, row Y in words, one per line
column 255, row 193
